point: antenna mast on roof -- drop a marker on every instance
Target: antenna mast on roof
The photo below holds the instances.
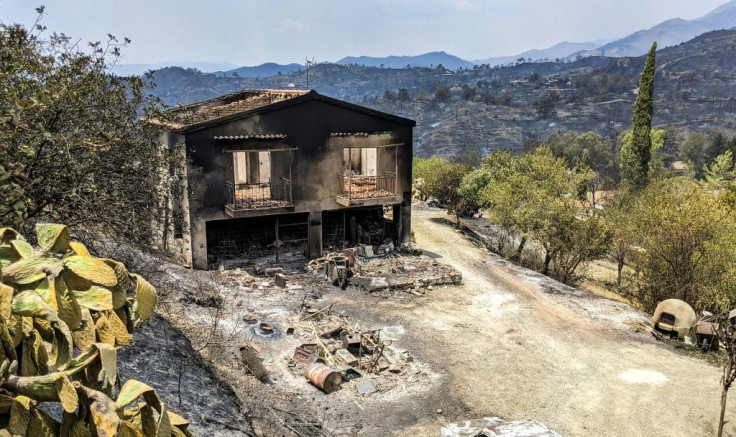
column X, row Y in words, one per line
column 308, row 63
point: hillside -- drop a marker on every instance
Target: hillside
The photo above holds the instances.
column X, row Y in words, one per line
column 558, row 51
column 432, row 59
column 264, row 70
column 695, row 89
column 671, row 32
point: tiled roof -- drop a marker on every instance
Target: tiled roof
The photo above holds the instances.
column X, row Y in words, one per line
column 358, row 134
column 223, row 106
column 251, row 137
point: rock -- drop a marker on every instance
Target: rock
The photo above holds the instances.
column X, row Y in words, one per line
column 273, row 271
column 378, row 284
column 439, row 411
column 280, row 280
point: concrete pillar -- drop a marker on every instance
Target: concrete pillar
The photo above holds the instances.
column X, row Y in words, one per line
column 315, row 234
column 162, row 198
column 199, row 244
column 186, row 226
column 405, row 219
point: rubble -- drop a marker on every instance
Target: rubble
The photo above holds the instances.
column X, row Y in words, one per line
column 324, row 377
column 402, row 273
column 385, row 269
column 280, row 280
column 334, row 343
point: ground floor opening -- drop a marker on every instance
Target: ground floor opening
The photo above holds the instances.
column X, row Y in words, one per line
column 306, row 234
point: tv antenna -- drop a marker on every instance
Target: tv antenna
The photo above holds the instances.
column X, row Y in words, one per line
column 308, row 63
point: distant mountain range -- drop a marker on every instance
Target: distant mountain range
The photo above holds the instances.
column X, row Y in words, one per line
column 667, row 33
column 557, row 51
column 264, row 70
column 432, row 59
column 138, row 69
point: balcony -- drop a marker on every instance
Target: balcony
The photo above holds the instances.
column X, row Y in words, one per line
column 361, row 190
column 249, row 200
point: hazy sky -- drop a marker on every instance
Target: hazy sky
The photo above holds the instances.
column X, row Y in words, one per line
column 255, row 31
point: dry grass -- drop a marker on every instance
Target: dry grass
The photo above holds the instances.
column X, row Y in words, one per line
column 600, row 279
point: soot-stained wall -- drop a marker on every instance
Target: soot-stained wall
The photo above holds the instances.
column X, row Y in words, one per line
column 308, row 126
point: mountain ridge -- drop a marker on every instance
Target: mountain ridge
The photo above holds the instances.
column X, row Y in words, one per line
column 430, row 59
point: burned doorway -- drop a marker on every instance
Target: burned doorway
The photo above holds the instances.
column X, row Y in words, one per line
column 349, row 227
column 257, row 237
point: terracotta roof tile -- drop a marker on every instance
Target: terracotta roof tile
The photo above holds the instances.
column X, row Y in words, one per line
column 358, row 134
column 251, row 137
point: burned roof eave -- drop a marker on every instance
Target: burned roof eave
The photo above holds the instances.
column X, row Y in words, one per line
column 311, row 95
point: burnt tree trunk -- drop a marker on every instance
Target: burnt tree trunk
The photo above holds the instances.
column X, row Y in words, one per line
column 520, row 249
column 721, row 422
column 547, row 259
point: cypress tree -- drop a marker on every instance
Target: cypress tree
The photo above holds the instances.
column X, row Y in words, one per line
column 636, row 155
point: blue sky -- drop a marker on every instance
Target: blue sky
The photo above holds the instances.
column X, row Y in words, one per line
column 283, row 31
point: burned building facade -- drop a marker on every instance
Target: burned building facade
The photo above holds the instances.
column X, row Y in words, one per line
column 265, row 171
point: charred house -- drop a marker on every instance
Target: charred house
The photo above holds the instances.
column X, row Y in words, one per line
column 262, row 171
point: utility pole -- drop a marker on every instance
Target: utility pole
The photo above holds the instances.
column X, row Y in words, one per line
column 308, row 63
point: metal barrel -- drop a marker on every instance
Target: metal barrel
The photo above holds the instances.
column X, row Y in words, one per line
column 325, row 378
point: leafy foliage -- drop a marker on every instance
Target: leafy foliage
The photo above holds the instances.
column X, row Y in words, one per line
column 423, row 169
column 588, row 149
column 693, row 151
column 71, row 146
column 440, row 180
column 535, row 195
column 720, row 175
column 657, row 136
column 57, row 299
column 685, row 246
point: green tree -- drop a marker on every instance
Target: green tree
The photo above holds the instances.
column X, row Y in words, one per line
column 635, row 157
column 534, row 195
column 718, row 145
column 576, row 243
column 527, row 193
column 657, row 136
column 720, row 174
column 443, row 183
column 692, row 150
column 71, row 145
column 685, row 246
column 573, row 147
column 619, row 215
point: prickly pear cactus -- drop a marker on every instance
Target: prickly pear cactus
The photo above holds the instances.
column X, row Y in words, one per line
column 63, row 313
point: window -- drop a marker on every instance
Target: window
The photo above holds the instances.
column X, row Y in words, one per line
column 361, row 161
column 252, row 167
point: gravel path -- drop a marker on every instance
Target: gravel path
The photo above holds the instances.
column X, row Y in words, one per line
column 513, row 343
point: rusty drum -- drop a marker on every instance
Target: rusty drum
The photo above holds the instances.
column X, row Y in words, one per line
column 325, row 378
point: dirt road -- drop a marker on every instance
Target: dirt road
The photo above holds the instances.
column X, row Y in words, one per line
column 512, row 343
